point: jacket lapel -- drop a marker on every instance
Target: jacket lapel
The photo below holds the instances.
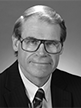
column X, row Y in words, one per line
column 60, row 97
column 14, row 93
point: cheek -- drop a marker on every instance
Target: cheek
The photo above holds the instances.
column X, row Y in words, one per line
column 22, row 56
column 55, row 59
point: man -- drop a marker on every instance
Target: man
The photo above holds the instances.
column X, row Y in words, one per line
column 38, row 38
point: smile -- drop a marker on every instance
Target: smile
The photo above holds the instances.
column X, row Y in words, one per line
column 41, row 63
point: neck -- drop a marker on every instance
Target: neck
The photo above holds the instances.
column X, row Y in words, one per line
column 40, row 81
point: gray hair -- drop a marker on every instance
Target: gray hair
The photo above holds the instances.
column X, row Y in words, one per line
column 44, row 13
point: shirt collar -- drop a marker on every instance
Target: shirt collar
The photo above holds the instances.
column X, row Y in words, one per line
column 32, row 88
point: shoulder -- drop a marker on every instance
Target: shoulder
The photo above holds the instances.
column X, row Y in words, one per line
column 66, row 75
column 70, row 80
column 7, row 72
column 2, row 78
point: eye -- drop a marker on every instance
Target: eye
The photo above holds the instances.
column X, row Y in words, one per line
column 31, row 40
column 49, row 43
column 54, row 43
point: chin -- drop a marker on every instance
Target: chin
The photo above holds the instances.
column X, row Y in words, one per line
column 41, row 72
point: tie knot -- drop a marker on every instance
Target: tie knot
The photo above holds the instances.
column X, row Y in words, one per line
column 38, row 97
column 40, row 94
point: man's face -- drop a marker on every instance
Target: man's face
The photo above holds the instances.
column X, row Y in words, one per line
column 38, row 64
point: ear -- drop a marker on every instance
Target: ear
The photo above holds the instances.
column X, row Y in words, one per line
column 15, row 43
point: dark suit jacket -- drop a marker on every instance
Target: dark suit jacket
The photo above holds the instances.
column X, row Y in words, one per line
column 65, row 89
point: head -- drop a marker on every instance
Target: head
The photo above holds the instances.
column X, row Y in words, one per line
column 43, row 25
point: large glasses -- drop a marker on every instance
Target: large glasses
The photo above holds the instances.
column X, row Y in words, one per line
column 31, row 44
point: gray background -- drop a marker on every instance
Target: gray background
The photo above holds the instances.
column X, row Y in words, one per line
column 70, row 60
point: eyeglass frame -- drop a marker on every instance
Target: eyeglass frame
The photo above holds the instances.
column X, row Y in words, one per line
column 41, row 41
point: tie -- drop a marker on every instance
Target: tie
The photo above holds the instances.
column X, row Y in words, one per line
column 37, row 101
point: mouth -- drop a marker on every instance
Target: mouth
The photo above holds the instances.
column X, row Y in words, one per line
column 41, row 63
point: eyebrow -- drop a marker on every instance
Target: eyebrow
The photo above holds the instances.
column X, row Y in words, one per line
column 30, row 37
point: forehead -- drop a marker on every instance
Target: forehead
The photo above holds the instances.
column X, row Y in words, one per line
column 33, row 27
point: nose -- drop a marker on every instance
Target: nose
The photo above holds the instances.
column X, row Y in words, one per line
column 41, row 51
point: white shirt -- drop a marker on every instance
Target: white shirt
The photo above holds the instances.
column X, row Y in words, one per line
column 31, row 89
